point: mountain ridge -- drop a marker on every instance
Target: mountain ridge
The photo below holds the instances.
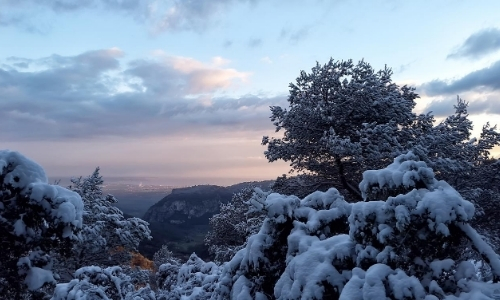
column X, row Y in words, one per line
column 185, row 203
column 181, row 218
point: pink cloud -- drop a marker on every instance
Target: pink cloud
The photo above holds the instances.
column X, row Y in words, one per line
column 205, row 78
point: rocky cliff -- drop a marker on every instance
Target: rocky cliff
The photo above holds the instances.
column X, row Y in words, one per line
column 180, row 219
column 194, row 205
column 188, row 204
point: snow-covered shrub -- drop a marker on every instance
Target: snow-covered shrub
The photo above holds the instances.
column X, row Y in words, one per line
column 320, row 255
column 193, row 280
column 37, row 221
column 290, row 228
column 413, row 240
column 420, row 230
column 107, row 237
column 95, row 283
column 166, row 276
column 319, row 271
column 163, row 256
column 234, row 224
column 145, row 293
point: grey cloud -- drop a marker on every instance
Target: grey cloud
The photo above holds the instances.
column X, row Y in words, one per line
column 487, row 78
column 192, row 15
column 71, row 98
column 477, row 105
column 160, row 15
column 22, row 20
column 182, row 76
column 61, row 80
column 479, row 44
column 19, row 63
column 74, row 5
column 158, row 79
column 402, row 68
column 295, row 36
column 442, row 107
column 254, row 42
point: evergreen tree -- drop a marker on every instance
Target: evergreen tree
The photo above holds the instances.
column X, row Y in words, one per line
column 410, row 239
column 107, row 237
column 234, row 224
column 37, row 222
column 342, row 118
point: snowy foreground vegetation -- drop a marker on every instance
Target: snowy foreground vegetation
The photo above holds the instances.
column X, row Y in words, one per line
column 387, row 205
column 416, row 244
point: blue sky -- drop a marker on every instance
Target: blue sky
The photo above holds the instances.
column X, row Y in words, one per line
column 180, row 90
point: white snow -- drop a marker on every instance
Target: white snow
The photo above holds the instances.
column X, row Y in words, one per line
column 306, row 271
column 438, row 266
column 37, row 277
column 23, row 171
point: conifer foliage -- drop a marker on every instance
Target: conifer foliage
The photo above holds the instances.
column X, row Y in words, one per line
column 106, row 232
column 342, row 117
column 37, row 221
column 234, row 224
column 345, row 118
column 414, row 241
column 399, row 222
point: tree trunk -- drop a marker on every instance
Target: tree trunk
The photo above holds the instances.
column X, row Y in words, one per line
column 351, row 189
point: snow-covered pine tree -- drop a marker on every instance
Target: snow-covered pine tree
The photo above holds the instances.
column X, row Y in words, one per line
column 163, row 256
column 335, row 113
column 344, row 119
column 193, row 280
column 37, row 221
column 410, row 239
column 235, row 222
column 96, row 283
column 107, row 237
column 290, row 227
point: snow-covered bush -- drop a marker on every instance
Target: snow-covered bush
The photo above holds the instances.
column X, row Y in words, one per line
column 163, row 256
column 193, row 280
column 289, row 229
column 166, row 277
column 37, row 221
column 95, row 283
column 107, row 237
column 234, row 224
column 420, row 235
column 413, row 240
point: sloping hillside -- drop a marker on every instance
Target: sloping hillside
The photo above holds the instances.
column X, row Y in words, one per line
column 180, row 219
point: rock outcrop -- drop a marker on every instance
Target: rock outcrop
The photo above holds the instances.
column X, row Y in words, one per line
column 194, row 205
column 188, row 204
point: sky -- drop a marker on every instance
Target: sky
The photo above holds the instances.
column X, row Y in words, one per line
column 178, row 92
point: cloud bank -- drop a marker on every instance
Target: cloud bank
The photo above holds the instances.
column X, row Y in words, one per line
column 479, row 44
column 160, row 15
column 486, row 79
column 93, row 94
column 481, row 88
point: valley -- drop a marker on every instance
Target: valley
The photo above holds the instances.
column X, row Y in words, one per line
column 178, row 216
